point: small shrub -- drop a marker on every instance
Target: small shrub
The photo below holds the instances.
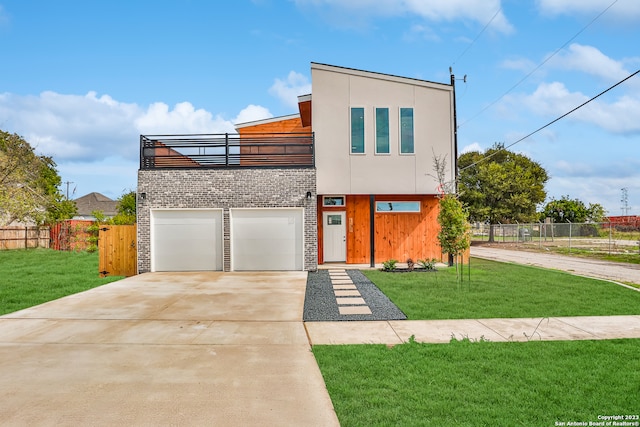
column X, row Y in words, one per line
column 389, row 265
column 427, row 264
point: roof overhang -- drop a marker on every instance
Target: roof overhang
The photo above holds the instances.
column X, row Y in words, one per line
column 381, row 76
column 266, row 121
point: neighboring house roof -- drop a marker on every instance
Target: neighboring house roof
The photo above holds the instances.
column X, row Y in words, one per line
column 95, row 202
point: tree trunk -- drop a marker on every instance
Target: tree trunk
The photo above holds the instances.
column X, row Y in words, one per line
column 491, row 233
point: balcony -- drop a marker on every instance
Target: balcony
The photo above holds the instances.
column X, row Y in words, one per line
column 264, row 150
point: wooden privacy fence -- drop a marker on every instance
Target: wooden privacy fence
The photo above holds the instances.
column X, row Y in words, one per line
column 70, row 235
column 117, row 249
column 20, row 237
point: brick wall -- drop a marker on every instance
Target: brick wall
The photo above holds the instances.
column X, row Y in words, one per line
column 227, row 188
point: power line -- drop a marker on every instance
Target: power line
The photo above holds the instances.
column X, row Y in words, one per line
column 553, row 121
column 538, row 67
column 479, row 34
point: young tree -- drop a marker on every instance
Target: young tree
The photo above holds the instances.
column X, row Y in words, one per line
column 454, row 235
column 500, row 186
column 454, row 228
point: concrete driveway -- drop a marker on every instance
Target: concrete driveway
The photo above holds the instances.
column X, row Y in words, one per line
column 165, row 349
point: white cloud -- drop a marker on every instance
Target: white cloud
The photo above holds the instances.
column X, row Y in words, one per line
column 289, row 89
column 476, row 10
column 622, row 10
column 184, row 118
column 480, row 11
column 554, row 99
column 590, row 60
column 72, row 126
column 95, row 139
column 471, row 147
column 87, row 128
column 252, row 113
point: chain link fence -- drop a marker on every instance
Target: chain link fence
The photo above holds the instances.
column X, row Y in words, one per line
column 604, row 237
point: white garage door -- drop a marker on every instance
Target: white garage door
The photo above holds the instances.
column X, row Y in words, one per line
column 186, row 240
column 266, row 239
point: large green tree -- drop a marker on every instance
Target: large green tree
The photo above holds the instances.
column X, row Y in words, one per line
column 572, row 210
column 29, row 184
column 500, row 186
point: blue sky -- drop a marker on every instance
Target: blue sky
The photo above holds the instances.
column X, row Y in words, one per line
column 81, row 80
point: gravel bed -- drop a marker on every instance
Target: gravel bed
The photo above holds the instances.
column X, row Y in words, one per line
column 320, row 300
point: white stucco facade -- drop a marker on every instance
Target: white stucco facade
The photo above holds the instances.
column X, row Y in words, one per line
column 336, row 90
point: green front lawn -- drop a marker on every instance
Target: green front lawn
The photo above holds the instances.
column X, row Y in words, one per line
column 481, row 384
column 34, row 276
column 503, row 290
column 536, row 383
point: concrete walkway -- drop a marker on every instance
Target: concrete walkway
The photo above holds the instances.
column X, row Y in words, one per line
column 496, row 330
column 159, row 349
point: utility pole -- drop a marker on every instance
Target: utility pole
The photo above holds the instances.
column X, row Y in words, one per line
column 67, row 183
column 455, row 128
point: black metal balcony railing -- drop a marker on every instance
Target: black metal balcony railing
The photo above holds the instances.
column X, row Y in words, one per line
column 227, row 150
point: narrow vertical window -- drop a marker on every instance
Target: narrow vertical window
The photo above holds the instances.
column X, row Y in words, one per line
column 406, row 131
column 382, row 131
column 357, row 130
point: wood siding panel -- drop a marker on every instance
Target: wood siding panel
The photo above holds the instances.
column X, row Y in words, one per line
column 397, row 235
column 293, row 125
column 261, row 153
column 358, row 229
column 305, row 113
column 408, row 235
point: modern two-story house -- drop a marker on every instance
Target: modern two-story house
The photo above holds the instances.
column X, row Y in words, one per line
column 349, row 178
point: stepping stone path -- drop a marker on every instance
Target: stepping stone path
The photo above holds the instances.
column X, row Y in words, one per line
column 347, row 295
